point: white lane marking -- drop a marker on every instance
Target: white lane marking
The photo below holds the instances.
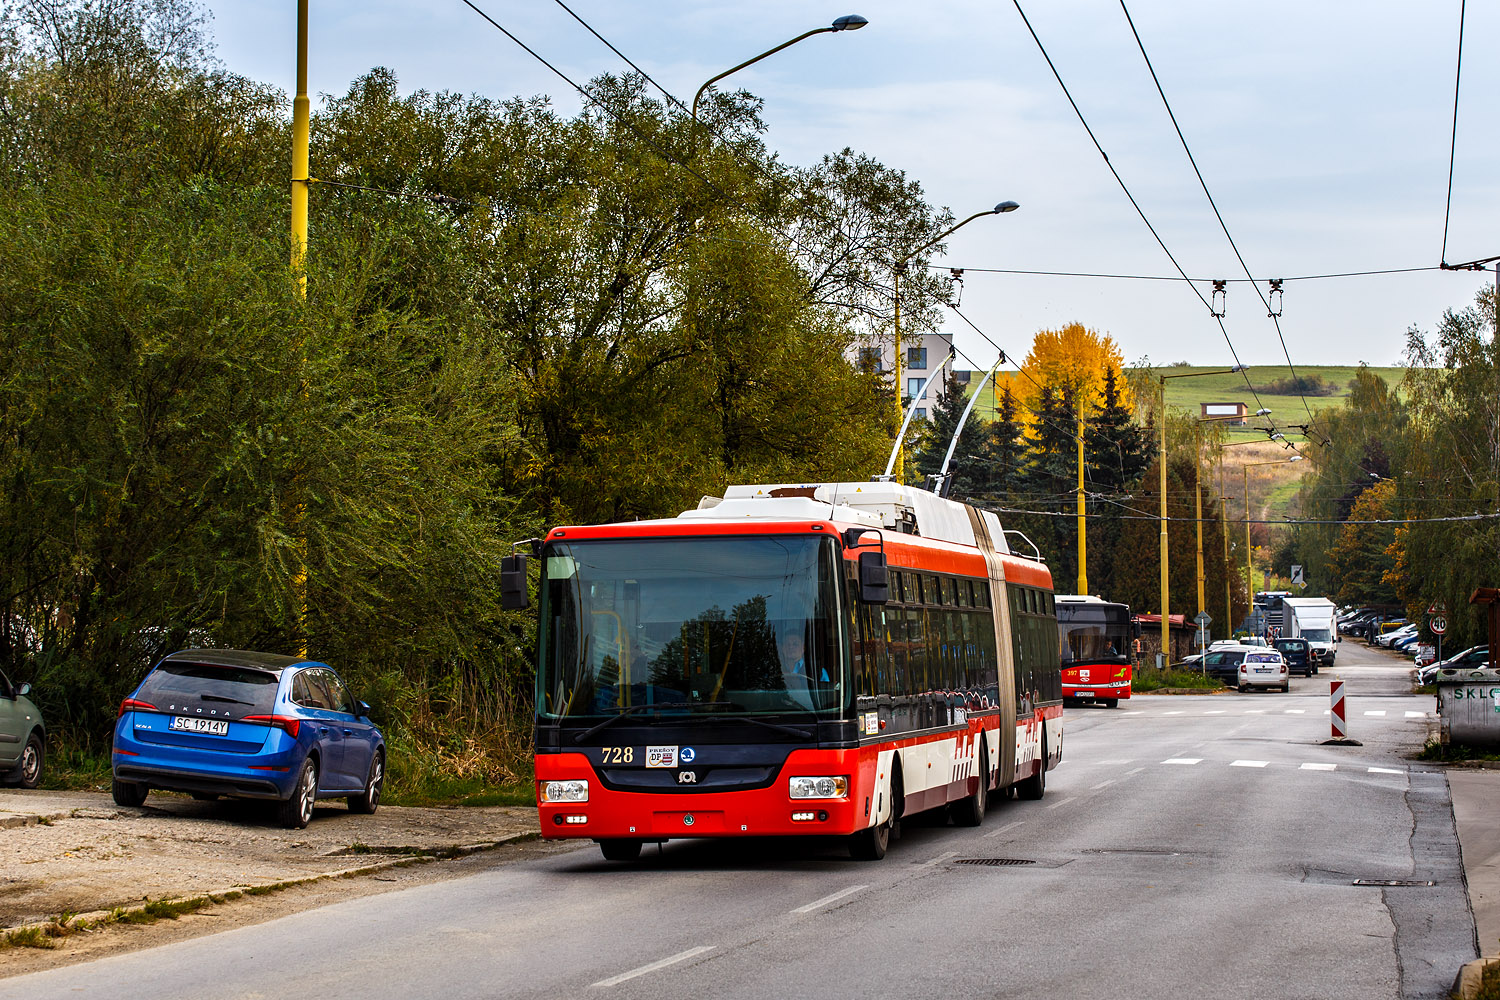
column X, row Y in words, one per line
column 1062, row 802
column 1217, row 711
column 1133, row 713
column 1172, row 713
column 1134, row 770
column 939, row 859
column 1248, row 763
column 1378, row 711
column 1183, row 760
column 830, row 899
column 1318, row 767
column 1296, row 711
column 1255, row 711
column 1326, row 712
column 1383, row 770
column 1101, row 784
column 1008, row 826
column 1117, row 760
column 1416, row 715
column 681, row 956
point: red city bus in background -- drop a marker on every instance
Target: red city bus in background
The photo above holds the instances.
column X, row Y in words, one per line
column 789, row 660
column 1094, row 637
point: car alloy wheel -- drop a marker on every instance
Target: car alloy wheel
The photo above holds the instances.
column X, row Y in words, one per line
column 31, row 763
column 307, row 791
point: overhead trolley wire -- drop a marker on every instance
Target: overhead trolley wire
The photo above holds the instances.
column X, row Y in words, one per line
column 1168, row 277
column 1214, row 205
column 1135, row 204
column 1458, row 75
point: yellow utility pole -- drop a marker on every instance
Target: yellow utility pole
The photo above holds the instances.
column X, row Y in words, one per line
column 301, row 116
column 1083, row 549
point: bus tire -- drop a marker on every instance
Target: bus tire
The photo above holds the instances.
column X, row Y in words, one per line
column 1110, row 702
column 1034, row 787
column 871, row 843
column 969, row 811
column 620, row 850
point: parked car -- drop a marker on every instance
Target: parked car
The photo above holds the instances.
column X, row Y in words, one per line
column 1385, row 639
column 1263, row 668
column 1224, row 662
column 1472, row 658
column 248, row 725
column 1298, row 656
column 23, row 738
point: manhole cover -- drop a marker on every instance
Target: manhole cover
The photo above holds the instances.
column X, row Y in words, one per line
column 1391, row 881
column 994, row 861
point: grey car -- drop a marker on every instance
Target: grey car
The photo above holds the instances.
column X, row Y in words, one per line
column 22, row 736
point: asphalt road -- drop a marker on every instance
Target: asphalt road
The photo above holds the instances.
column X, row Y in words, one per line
column 1187, row 847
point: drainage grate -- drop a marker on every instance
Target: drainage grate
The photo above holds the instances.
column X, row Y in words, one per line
column 994, row 861
column 1391, row 881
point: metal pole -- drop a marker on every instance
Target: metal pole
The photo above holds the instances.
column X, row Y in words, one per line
column 1224, row 531
column 900, row 456
column 1162, row 461
column 301, row 115
column 1083, row 548
column 1249, row 583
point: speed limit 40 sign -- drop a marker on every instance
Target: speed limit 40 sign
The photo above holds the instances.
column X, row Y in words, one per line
column 1437, row 624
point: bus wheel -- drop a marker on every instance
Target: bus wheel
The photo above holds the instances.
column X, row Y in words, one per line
column 620, row 850
column 1034, row 787
column 871, row 844
column 1111, row 702
column 970, row 811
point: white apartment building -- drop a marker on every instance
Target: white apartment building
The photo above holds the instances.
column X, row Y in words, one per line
column 921, row 357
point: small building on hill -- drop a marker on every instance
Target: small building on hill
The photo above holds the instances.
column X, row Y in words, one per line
column 1239, row 411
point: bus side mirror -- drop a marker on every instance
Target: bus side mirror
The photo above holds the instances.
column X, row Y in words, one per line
column 513, row 595
column 874, row 583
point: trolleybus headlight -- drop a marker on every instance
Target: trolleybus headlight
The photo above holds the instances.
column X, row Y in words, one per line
column 819, row 788
column 565, row 791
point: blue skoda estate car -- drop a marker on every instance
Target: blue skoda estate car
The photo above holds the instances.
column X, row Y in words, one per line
column 248, row 725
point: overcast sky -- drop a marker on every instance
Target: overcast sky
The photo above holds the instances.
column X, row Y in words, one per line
column 1322, row 130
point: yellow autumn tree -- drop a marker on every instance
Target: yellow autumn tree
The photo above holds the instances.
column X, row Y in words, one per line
column 1072, row 362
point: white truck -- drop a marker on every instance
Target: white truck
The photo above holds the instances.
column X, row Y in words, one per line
column 1313, row 619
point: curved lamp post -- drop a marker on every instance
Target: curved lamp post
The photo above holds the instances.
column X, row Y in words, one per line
column 900, row 269
column 1166, row 642
column 1245, row 475
column 849, row 22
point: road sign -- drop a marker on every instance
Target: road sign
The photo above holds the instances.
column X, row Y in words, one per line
column 1438, row 624
column 1297, row 575
column 1440, row 608
column 1203, row 618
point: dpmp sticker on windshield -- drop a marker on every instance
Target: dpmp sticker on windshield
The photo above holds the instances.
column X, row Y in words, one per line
column 661, row 756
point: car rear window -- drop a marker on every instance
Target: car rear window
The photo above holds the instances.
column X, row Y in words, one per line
column 172, row 686
column 1292, row 645
column 1263, row 658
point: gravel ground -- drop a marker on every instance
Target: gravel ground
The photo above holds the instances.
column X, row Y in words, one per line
column 77, row 852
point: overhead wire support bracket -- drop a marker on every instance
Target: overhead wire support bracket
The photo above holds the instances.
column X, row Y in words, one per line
column 1220, row 299
column 1274, row 303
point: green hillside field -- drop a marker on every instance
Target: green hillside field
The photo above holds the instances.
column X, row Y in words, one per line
column 1189, row 394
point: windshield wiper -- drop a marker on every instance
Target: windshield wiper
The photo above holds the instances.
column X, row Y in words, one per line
column 220, row 697
column 759, row 722
column 632, row 709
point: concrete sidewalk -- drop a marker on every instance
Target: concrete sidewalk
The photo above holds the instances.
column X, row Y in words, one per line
column 1476, row 811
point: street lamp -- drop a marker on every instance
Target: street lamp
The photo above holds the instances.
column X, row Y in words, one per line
column 1245, row 475
column 1166, row 646
column 849, row 22
column 900, row 269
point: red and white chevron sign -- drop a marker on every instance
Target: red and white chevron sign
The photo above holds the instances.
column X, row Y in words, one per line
column 1336, row 710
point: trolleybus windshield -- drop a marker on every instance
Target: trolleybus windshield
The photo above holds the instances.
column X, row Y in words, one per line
column 722, row 625
column 1093, row 633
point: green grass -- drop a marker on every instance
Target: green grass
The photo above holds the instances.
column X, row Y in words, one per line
column 1151, row 679
column 448, row 790
column 1454, row 752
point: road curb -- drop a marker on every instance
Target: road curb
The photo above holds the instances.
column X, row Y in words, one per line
column 116, row 914
column 1470, row 978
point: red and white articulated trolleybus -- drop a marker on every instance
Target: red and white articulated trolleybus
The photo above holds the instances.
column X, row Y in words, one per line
column 789, row 660
column 1094, row 637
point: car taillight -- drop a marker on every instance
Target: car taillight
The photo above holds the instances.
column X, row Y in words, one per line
column 285, row 722
column 134, row 705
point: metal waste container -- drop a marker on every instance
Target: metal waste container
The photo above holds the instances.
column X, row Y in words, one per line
column 1469, row 706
